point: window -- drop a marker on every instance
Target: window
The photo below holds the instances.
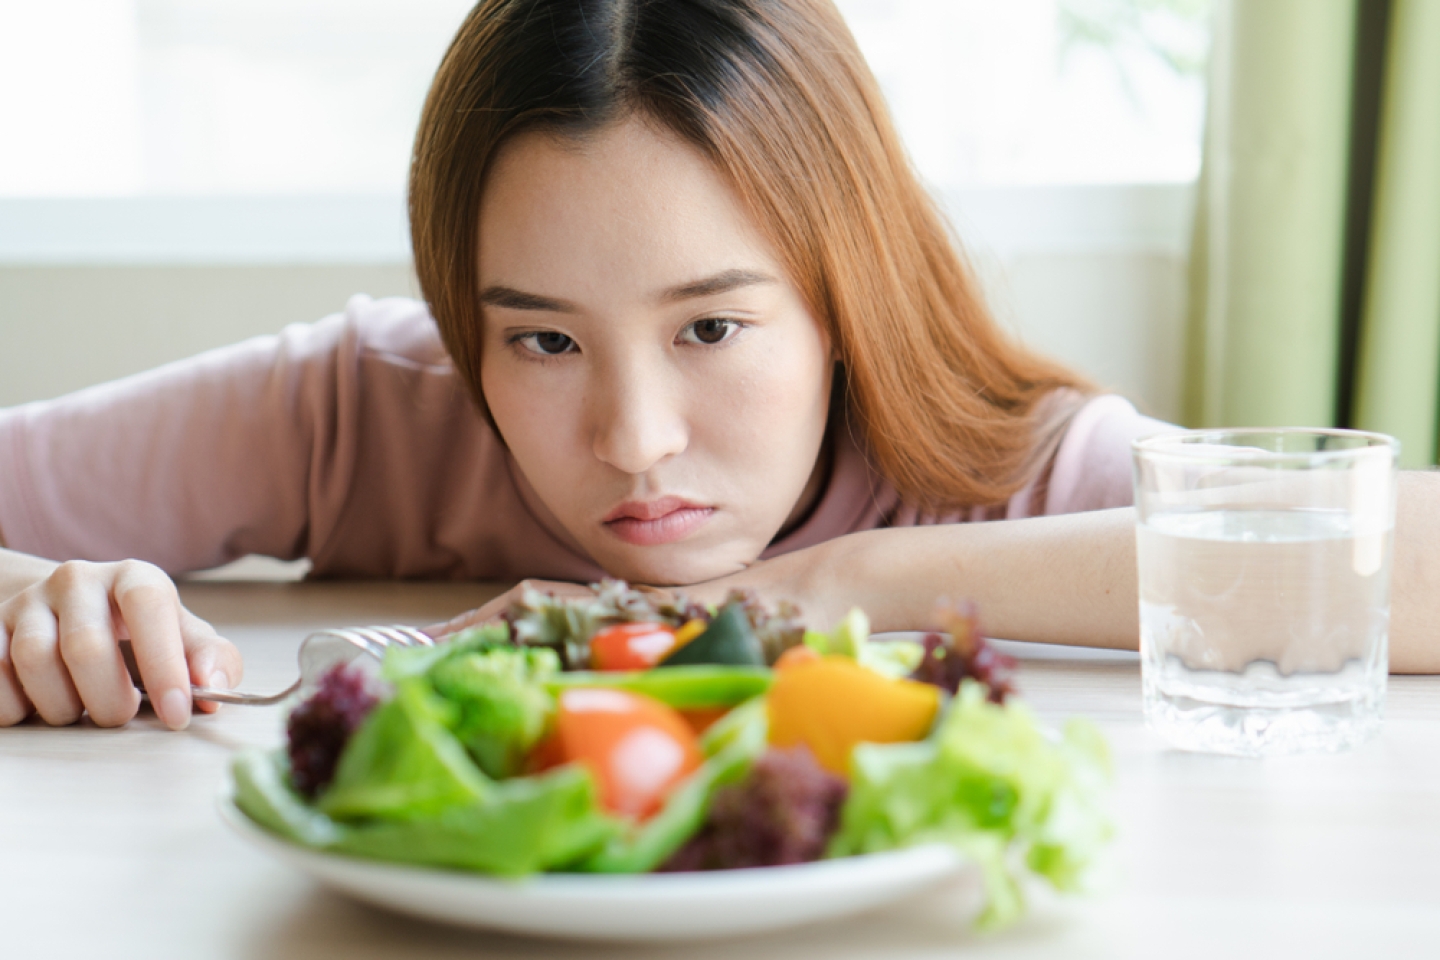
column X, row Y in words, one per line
column 1041, row 91
column 305, row 97
column 214, row 97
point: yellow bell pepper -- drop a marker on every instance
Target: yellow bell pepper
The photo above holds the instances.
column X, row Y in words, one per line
column 832, row 703
column 689, row 632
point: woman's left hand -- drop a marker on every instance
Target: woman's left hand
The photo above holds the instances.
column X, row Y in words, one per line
column 494, row 608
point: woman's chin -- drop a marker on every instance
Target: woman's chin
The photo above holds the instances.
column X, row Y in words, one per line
column 672, row 566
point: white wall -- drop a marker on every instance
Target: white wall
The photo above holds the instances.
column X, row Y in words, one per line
column 1117, row 316
column 65, row 327
column 1094, row 276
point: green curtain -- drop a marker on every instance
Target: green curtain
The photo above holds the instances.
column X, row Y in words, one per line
column 1315, row 269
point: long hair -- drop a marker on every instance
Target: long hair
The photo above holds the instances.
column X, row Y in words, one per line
column 778, row 96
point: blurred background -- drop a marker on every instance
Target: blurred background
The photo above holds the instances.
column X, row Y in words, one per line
column 180, row 174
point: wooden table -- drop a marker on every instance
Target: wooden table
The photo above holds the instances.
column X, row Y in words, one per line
column 110, row 845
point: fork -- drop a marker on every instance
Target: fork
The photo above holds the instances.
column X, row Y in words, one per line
column 319, row 652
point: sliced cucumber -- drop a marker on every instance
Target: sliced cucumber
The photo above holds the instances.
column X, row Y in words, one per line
column 728, row 641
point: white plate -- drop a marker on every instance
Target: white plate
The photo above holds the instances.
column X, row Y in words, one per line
column 670, row 906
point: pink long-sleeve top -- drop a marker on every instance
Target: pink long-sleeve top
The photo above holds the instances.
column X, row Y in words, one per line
column 352, row 442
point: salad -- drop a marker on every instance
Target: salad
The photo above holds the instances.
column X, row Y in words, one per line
column 621, row 734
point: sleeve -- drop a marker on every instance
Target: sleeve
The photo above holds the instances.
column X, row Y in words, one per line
column 193, row 464
column 1092, row 466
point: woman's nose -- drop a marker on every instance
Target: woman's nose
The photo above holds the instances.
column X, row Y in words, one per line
column 638, row 422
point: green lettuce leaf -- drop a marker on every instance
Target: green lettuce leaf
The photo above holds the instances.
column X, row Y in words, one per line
column 403, row 662
column 404, row 763
column 851, row 638
column 264, row 794
column 988, row 781
column 522, row 826
column 845, row 639
column 892, row 658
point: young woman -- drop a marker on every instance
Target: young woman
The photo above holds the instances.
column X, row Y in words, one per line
column 691, row 321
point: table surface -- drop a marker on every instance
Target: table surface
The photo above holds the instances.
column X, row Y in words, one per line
column 110, row 844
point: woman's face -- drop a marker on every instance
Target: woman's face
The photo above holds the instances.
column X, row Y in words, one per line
column 657, row 377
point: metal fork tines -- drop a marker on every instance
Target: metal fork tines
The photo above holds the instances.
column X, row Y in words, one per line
column 321, row 651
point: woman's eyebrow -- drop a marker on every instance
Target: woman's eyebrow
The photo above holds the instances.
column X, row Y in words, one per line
column 722, row 282
column 509, row 297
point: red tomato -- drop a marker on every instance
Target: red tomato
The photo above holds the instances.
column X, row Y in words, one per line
column 631, row 646
column 638, row 748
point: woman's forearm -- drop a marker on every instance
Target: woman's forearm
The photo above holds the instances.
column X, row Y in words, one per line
column 1072, row 578
column 1065, row 579
column 1415, row 583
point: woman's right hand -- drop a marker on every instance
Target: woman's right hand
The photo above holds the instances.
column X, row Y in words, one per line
column 60, row 652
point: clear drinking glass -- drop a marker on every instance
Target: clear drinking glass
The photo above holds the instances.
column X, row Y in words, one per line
column 1264, row 574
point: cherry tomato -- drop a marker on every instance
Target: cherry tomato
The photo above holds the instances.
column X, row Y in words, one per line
column 638, row 748
column 631, row 646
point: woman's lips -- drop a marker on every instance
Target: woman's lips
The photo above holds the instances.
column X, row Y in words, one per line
column 653, row 522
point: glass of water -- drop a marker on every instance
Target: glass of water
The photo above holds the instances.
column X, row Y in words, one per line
column 1264, row 574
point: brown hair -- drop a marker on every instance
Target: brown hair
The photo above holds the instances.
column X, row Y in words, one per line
column 777, row 94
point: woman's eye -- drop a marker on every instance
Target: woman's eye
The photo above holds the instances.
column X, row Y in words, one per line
column 711, row 330
column 548, row 344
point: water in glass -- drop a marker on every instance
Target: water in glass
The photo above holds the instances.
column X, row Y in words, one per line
column 1263, row 631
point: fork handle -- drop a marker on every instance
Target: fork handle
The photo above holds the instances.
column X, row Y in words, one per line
column 235, row 696
column 205, row 693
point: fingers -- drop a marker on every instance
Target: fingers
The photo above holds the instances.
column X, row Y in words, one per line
column 90, row 654
column 35, row 657
column 150, row 607
column 60, row 650
column 494, row 608
column 471, row 618
column 14, row 705
column 214, row 661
